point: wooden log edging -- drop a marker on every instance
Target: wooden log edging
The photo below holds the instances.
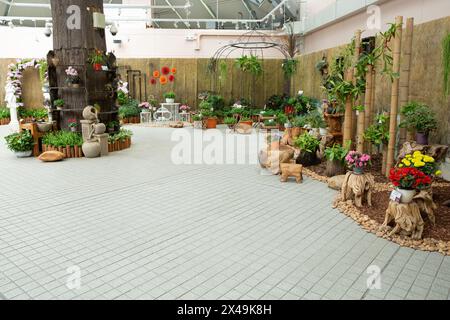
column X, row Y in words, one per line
column 68, row 151
column 5, row 121
column 119, row 145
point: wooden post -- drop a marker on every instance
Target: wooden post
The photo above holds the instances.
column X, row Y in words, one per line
column 357, row 102
column 394, row 95
column 406, row 72
column 348, row 112
column 368, row 106
column 74, row 41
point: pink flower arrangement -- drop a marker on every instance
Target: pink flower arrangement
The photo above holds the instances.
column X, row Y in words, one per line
column 357, row 160
column 72, row 75
column 184, row 108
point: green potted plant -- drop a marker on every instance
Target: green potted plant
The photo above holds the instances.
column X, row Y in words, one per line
column 298, row 126
column 270, row 124
column 308, row 146
column 250, row 65
column 73, row 124
column 207, row 112
column 282, row 119
column 335, row 156
column 246, row 120
column 112, row 125
column 59, row 104
column 420, row 118
column 170, row 97
column 198, row 121
column 230, row 122
column 20, row 143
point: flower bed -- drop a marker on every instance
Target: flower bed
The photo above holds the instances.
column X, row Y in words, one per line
column 4, row 116
column 120, row 140
column 68, row 143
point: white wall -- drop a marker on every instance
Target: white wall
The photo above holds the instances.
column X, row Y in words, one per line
column 341, row 32
column 137, row 42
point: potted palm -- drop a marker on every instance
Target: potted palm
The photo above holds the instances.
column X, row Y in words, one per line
column 419, row 118
column 170, row 97
column 308, row 146
column 21, row 143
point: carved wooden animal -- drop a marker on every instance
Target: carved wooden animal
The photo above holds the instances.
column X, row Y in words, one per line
column 357, row 187
column 426, row 204
column 407, row 219
column 291, row 170
column 274, row 155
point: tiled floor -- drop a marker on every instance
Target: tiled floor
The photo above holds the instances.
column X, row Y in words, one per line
column 138, row 227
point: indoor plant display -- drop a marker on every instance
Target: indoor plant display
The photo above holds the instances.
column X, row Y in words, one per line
column 308, row 149
column 357, row 161
column 170, row 97
column 59, row 104
column 335, row 156
column 73, row 125
column 97, row 59
column 407, row 181
column 73, row 78
column 21, row 143
column 421, row 119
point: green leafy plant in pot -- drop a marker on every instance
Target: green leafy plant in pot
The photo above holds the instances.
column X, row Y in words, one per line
column 59, row 104
column 170, row 97
column 335, row 156
column 419, row 117
column 308, row 146
column 20, row 143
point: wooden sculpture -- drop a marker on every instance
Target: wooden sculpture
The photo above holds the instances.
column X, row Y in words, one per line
column 407, row 219
column 426, row 205
column 358, row 187
column 291, row 170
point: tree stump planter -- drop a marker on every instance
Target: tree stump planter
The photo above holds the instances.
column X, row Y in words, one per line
column 356, row 187
column 334, row 122
column 307, row 159
column 407, row 219
column 334, row 168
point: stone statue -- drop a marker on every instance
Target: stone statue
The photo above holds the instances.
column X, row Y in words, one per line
column 95, row 140
column 11, row 103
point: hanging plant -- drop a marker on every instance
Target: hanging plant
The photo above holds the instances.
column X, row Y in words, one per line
column 289, row 67
column 250, row 65
column 446, row 63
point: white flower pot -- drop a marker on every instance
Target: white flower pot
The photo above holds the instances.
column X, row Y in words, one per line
column 198, row 124
column 323, row 132
column 23, row 154
column 170, row 100
column 407, row 195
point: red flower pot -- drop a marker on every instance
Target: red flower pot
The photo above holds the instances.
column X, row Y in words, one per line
column 97, row 66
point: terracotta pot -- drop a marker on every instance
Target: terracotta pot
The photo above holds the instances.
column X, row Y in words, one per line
column 211, row 123
column 250, row 123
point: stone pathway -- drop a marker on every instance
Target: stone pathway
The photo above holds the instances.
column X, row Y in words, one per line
column 136, row 226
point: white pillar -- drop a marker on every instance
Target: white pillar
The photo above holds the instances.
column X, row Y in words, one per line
column 14, row 123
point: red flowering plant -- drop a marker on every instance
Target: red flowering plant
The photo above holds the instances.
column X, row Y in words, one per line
column 409, row 178
column 72, row 123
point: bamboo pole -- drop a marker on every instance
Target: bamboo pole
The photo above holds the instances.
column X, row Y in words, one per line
column 406, row 72
column 364, row 115
column 357, row 102
column 394, row 95
column 348, row 112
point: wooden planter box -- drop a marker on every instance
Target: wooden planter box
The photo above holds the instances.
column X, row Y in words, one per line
column 119, row 145
column 131, row 120
column 68, row 151
column 4, row 121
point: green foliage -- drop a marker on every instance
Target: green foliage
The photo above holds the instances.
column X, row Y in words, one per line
column 122, row 98
column 337, row 152
column 378, row 133
column 315, row 119
column 418, row 117
column 20, row 142
column 97, row 57
column 289, row 67
column 43, row 68
column 446, row 63
column 197, row 117
column 217, row 102
column 169, row 95
column 270, row 123
column 4, row 113
column 250, row 65
column 62, row 139
column 59, row 103
column 230, row 121
column 282, row 118
column 112, row 124
column 131, row 109
column 38, row 114
column 122, row 135
column 307, row 143
column 299, row 121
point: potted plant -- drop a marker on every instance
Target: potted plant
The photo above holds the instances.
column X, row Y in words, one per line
column 246, row 120
column 316, row 122
column 335, row 156
column 422, row 162
column 73, row 78
column 97, row 60
column 357, row 162
column 407, row 181
column 298, row 124
column 270, row 124
column 170, row 97
column 282, row 119
column 230, row 122
column 73, row 125
column 59, row 104
column 207, row 112
column 420, row 118
column 308, row 146
column 21, row 143
column 112, row 125
column 184, row 109
column 250, row 64
column 145, row 107
column 198, row 121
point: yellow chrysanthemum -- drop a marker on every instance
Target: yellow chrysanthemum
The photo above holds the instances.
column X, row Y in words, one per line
column 406, row 162
column 420, row 164
column 428, row 159
column 438, row 173
column 408, row 156
column 417, row 153
column 401, row 165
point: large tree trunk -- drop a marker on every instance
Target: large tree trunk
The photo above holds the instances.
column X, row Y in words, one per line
column 73, row 47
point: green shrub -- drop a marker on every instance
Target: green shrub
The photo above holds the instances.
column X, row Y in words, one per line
column 62, row 139
column 307, row 143
column 336, row 152
column 20, row 142
column 378, row 133
column 169, row 95
column 4, row 113
column 419, row 117
column 122, row 135
column 131, row 109
column 230, row 121
column 38, row 114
